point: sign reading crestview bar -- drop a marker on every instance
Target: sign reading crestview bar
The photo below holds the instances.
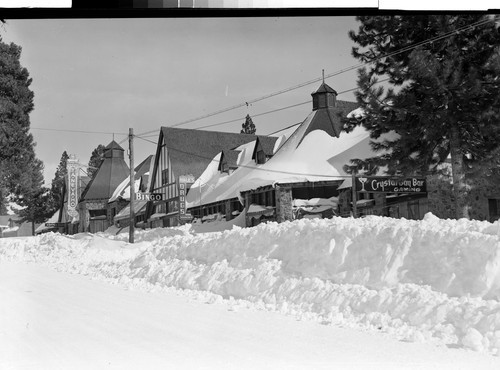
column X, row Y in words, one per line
column 378, row 184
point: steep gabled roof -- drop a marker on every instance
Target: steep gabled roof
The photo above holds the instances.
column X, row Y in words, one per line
column 330, row 119
column 143, row 167
column 111, row 172
column 192, row 150
column 140, row 180
column 266, row 143
column 304, row 157
column 229, row 157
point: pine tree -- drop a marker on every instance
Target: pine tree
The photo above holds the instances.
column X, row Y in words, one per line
column 34, row 197
column 95, row 160
column 445, row 99
column 20, row 170
column 37, row 209
column 248, row 127
column 58, row 184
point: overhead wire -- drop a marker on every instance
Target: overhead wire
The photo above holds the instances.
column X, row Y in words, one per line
column 410, row 47
column 258, row 168
column 344, row 70
column 78, row 131
column 269, row 112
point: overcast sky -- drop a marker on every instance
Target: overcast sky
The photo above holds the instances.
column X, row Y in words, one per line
column 111, row 74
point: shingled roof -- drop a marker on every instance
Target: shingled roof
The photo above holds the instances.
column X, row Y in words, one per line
column 267, row 144
column 192, row 150
column 111, row 172
column 229, row 157
column 330, row 119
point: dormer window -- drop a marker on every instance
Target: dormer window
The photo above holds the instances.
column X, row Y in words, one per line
column 260, row 157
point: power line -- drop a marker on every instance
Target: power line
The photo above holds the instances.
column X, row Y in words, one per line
column 268, row 112
column 250, row 167
column 254, row 167
column 256, row 115
column 283, row 129
column 279, row 109
column 261, row 169
column 402, row 50
column 77, row 131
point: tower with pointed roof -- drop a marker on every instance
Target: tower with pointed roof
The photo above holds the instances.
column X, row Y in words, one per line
column 327, row 112
column 324, row 97
column 93, row 201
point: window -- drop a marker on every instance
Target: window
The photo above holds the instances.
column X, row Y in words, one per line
column 261, row 157
column 494, row 209
column 101, row 213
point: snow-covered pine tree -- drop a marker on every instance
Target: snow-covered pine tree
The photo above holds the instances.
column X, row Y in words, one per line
column 444, row 99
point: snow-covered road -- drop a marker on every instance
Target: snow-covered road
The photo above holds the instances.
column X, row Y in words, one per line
column 55, row 320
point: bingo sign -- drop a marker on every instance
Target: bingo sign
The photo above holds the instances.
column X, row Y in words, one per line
column 183, row 186
column 391, row 185
column 72, row 166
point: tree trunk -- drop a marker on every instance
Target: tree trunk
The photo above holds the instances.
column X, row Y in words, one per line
column 33, row 228
column 460, row 188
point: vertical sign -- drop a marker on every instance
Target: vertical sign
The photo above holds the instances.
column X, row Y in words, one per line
column 183, row 181
column 72, row 166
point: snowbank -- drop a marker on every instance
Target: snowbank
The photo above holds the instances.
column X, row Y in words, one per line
column 430, row 280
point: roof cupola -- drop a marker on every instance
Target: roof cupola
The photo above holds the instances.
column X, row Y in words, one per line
column 324, row 97
column 113, row 150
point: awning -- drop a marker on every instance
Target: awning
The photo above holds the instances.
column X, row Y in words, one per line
column 365, row 203
column 157, row 215
column 139, row 205
column 256, row 210
column 315, row 209
column 210, row 217
column 102, row 217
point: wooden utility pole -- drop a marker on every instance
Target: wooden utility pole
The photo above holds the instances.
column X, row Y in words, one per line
column 132, row 185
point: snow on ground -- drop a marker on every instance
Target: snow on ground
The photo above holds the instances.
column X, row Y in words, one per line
column 434, row 281
column 56, row 321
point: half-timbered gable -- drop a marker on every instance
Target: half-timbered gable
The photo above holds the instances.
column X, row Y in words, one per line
column 185, row 152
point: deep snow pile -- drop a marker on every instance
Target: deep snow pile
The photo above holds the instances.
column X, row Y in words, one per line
column 431, row 280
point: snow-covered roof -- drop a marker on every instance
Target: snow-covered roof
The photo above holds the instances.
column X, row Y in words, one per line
column 123, row 189
column 307, row 156
column 191, row 151
column 139, row 205
column 52, row 220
